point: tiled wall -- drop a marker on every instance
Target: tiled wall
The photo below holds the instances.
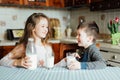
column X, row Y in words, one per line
column 14, row 18
column 95, row 16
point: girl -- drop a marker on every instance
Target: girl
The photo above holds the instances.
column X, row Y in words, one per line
column 37, row 27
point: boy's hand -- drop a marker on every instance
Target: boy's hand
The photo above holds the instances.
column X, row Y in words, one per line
column 74, row 65
column 76, row 55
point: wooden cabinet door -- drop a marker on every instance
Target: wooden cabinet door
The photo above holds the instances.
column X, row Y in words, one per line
column 1, row 52
column 7, row 49
column 68, row 3
column 12, row 2
column 57, row 3
column 95, row 1
column 67, row 47
column 36, row 2
column 56, row 50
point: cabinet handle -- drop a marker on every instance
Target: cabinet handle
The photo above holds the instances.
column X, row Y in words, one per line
column 114, row 57
column 103, row 51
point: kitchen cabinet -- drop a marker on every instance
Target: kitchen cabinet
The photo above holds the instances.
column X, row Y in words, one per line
column 92, row 1
column 1, row 51
column 104, row 5
column 111, row 53
column 27, row 2
column 60, row 50
column 45, row 3
column 5, row 50
column 112, row 58
column 56, row 50
column 20, row 2
column 80, row 2
column 37, row 2
column 48, row 3
column 75, row 3
column 68, row 3
column 64, row 48
column 57, row 3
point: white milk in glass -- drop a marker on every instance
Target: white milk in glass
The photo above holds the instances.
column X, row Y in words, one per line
column 33, row 59
column 50, row 62
column 70, row 59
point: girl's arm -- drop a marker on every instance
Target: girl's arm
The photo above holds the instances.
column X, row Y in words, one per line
column 13, row 57
column 7, row 61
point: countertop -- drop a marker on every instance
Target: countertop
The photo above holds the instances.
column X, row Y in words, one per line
column 109, row 47
column 66, row 41
column 103, row 45
column 8, row 43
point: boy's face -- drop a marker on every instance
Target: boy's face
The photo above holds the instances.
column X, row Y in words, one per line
column 82, row 38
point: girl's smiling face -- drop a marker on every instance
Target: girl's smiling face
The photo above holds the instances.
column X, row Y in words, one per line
column 41, row 29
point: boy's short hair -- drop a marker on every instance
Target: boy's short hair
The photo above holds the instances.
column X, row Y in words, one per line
column 91, row 28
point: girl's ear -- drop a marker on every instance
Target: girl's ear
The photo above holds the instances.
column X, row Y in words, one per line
column 33, row 29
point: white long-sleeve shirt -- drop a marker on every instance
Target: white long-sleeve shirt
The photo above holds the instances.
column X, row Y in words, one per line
column 41, row 51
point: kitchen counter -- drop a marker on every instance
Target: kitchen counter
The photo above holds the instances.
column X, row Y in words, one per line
column 109, row 47
column 8, row 43
column 61, row 45
column 103, row 45
column 66, row 41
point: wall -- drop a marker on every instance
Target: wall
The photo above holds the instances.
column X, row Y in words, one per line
column 14, row 18
column 94, row 16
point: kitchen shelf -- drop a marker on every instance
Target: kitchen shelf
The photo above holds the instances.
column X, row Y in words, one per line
column 43, row 7
column 33, row 7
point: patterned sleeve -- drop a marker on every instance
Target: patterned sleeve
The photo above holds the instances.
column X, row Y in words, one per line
column 7, row 61
column 17, row 53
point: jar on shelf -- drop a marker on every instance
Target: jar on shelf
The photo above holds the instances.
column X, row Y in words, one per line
column 57, row 32
column 68, row 32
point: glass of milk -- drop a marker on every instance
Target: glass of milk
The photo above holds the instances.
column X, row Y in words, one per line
column 50, row 62
column 70, row 58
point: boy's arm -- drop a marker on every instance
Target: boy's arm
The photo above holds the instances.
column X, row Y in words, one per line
column 96, row 61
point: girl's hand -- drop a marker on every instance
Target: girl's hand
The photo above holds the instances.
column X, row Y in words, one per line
column 41, row 62
column 24, row 62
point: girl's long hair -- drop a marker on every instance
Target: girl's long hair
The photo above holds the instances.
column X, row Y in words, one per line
column 30, row 25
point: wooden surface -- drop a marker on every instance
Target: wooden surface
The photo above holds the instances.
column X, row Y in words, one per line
column 5, row 50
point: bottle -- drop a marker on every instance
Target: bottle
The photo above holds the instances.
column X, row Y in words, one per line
column 31, row 53
column 57, row 32
column 68, row 32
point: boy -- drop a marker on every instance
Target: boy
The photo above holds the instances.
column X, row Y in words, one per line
column 91, row 57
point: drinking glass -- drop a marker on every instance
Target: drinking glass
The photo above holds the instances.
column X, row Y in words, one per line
column 70, row 58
